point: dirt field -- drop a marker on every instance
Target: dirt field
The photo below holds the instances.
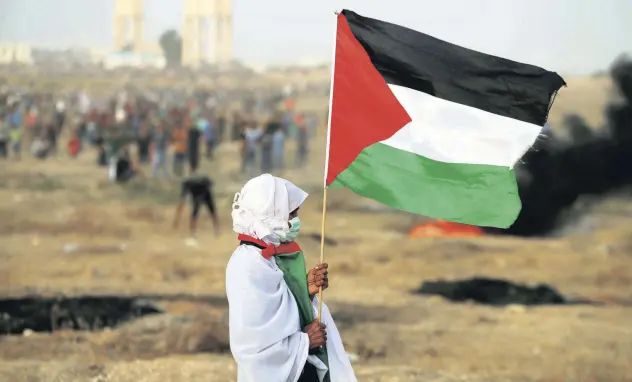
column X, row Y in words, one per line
column 65, row 230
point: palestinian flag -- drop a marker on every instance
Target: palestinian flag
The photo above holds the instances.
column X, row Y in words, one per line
column 429, row 127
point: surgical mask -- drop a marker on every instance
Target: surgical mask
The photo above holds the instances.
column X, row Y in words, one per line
column 295, row 227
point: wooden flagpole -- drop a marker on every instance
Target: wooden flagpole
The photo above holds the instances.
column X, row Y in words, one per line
column 322, row 228
column 322, row 251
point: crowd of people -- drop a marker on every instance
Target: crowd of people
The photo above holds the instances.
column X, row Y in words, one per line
column 24, row 115
column 128, row 132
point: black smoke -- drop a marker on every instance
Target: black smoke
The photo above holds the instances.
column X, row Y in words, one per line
column 558, row 171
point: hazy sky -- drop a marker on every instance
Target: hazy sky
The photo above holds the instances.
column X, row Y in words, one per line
column 568, row 36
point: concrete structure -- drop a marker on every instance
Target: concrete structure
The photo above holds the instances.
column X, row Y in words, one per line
column 16, row 53
column 207, row 32
column 129, row 19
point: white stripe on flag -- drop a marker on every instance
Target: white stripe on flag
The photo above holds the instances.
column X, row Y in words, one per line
column 450, row 132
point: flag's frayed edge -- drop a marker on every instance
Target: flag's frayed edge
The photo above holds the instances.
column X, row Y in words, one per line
column 541, row 136
column 552, row 99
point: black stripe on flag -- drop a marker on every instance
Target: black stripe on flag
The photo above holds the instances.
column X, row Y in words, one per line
column 421, row 62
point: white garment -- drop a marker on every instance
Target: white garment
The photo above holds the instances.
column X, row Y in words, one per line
column 266, row 339
column 339, row 362
column 263, row 206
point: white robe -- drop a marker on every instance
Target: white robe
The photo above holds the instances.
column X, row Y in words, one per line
column 266, row 339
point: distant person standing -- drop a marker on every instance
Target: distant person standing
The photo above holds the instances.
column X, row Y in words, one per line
column 278, row 149
column 16, row 141
column 15, row 116
column 5, row 138
column 143, row 141
column 97, row 131
column 160, row 143
column 220, row 124
column 52, row 133
column 311, row 122
column 289, row 124
column 278, row 130
column 82, row 129
column 115, row 140
column 250, row 138
column 180, row 150
column 92, row 131
column 60, row 115
column 102, row 153
column 14, row 120
column 115, row 146
column 267, row 145
column 302, row 140
column 207, row 132
column 31, row 123
column 238, row 127
column 193, row 148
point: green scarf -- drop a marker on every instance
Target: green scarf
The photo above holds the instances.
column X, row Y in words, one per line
column 293, row 267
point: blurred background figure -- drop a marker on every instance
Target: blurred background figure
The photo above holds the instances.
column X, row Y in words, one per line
column 302, row 141
column 199, row 189
column 5, row 137
column 206, row 127
column 249, row 144
column 180, row 142
column 194, row 137
column 160, row 143
column 144, row 141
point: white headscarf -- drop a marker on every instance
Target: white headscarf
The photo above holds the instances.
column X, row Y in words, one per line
column 262, row 208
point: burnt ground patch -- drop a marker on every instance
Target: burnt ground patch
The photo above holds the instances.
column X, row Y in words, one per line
column 76, row 313
column 496, row 292
column 85, row 313
column 176, row 324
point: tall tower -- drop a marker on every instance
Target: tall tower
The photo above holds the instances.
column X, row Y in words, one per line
column 225, row 16
column 128, row 24
column 207, row 32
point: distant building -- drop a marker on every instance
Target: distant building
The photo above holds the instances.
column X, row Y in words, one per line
column 61, row 56
column 207, row 30
column 207, row 33
column 134, row 60
column 16, row 53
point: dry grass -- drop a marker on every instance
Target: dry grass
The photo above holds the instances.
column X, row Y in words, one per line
column 126, row 246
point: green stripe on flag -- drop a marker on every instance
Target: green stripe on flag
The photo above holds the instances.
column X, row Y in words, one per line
column 482, row 195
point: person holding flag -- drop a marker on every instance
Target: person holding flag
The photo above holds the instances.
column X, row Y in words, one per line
column 272, row 299
column 416, row 123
